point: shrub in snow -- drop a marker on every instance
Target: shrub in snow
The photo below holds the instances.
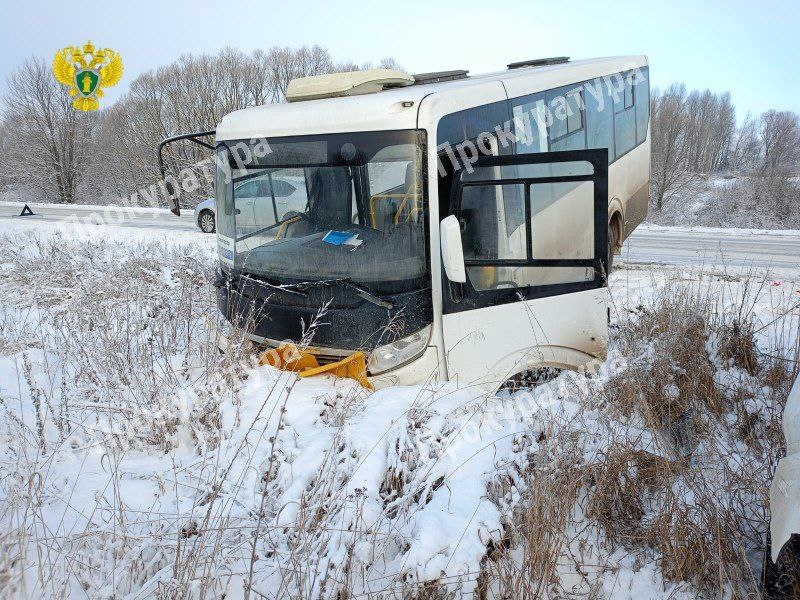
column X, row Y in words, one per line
column 139, row 462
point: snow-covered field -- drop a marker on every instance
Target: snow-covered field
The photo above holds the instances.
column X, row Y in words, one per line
column 137, row 462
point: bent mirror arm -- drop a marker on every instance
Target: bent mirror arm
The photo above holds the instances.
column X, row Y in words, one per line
column 172, row 192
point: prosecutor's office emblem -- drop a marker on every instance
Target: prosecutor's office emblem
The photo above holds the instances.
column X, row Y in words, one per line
column 86, row 71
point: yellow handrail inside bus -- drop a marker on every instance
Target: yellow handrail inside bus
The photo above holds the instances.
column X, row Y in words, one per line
column 413, row 192
column 285, row 225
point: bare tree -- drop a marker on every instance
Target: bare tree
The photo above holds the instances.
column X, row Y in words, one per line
column 281, row 65
column 745, row 153
column 669, row 126
column 693, row 134
column 109, row 154
column 46, row 139
column 5, row 147
column 780, row 136
column 723, row 130
column 193, row 94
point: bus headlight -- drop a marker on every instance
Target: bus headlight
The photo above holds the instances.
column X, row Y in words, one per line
column 401, row 351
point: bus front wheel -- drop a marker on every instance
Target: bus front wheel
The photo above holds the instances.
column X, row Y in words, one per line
column 781, row 580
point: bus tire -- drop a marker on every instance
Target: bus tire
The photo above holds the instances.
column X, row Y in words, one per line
column 781, row 580
column 531, row 378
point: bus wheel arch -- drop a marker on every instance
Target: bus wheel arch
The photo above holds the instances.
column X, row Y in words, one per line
column 615, row 224
column 614, row 238
column 540, row 365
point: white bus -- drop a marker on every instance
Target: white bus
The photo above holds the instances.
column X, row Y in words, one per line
column 452, row 226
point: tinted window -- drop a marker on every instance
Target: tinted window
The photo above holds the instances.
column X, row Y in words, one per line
column 557, row 108
column 483, row 119
column 566, row 113
column 529, row 123
column 454, row 129
column 607, row 112
column 629, row 94
column 575, row 111
column 469, row 124
column 642, row 94
column 450, row 129
column 599, row 116
column 624, row 118
column 624, row 131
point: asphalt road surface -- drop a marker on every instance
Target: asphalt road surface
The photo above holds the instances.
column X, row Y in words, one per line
column 647, row 245
column 734, row 248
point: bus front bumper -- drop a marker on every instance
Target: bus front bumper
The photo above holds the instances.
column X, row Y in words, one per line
column 425, row 368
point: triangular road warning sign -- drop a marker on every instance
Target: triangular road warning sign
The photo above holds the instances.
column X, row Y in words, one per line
column 26, row 211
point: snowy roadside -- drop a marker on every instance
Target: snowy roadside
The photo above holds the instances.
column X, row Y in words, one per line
column 764, row 202
column 138, row 462
column 726, row 231
column 16, row 207
column 88, row 229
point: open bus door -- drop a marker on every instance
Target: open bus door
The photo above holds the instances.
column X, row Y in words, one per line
column 531, row 289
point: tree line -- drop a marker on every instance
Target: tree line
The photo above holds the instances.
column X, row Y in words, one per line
column 695, row 134
column 62, row 155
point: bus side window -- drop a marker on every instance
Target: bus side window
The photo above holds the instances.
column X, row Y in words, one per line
column 567, row 131
column 625, row 117
column 458, row 128
column 599, row 116
column 530, row 123
column 642, row 96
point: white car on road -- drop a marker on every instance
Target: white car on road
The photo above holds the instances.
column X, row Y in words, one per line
column 251, row 197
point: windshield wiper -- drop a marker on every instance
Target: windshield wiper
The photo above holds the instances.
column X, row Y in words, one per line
column 283, row 288
column 369, row 296
column 345, row 281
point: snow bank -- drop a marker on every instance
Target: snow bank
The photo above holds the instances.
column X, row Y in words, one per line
column 137, row 462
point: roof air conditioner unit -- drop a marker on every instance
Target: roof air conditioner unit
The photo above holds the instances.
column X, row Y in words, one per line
column 350, row 83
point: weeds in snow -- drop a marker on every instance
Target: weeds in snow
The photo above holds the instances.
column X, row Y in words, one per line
column 139, row 462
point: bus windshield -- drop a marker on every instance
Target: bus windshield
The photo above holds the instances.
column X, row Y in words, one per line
column 324, row 207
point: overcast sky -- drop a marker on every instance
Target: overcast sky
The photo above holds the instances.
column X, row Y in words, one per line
column 750, row 48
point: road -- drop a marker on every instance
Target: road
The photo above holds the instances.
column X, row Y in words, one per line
column 703, row 246
column 139, row 218
column 647, row 245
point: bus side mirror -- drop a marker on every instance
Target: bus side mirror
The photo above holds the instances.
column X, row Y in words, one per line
column 171, row 185
column 452, row 252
